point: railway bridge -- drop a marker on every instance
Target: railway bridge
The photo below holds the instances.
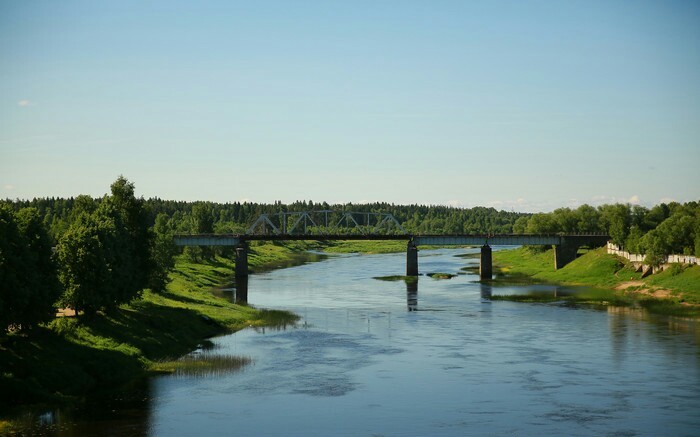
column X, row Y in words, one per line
column 565, row 245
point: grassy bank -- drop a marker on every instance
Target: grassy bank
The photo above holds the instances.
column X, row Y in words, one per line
column 70, row 357
column 360, row 246
column 676, row 290
column 372, row 247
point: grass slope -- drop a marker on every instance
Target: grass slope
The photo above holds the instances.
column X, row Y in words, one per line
column 597, row 268
column 369, row 247
column 69, row 357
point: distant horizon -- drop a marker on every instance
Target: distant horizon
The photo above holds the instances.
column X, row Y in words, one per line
column 634, row 201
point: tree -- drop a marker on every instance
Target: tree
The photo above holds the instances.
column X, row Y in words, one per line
column 202, row 223
column 131, row 213
column 105, row 255
column 542, row 223
column 587, row 219
column 162, row 253
column 16, row 281
column 41, row 306
column 85, row 254
column 28, row 286
column 653, row 247
column 520, row 225
column 616, row 220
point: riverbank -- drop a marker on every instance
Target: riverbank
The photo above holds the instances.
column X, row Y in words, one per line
column 674, row 291
column 70, row 357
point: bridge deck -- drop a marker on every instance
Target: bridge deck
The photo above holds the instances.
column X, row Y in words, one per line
column 430, row 239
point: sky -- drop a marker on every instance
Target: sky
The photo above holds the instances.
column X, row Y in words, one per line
column 519, row 105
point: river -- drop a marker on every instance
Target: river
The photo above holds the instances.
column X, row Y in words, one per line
column 362, row 362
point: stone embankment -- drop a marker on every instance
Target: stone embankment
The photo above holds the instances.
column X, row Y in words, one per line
column 638, row 260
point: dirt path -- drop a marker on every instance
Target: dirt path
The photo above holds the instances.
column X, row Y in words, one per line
column 641, row 288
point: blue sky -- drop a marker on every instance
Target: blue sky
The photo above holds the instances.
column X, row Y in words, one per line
column 525, row 105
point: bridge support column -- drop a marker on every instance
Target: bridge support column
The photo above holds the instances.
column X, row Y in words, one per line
column 411, row 259
column 241, row 292
column 486, row 264
column 241, row 261
column 564, row 253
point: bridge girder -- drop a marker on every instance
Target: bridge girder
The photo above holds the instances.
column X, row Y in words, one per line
column 418, row 240
column 365, row 223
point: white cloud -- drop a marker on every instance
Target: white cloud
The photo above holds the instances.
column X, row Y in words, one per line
column 24, row 103
column 634, row 200
column 520, row 205
column 8, row 187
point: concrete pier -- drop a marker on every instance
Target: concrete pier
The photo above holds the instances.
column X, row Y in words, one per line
column 486, row 264
column 564, row 253
column 411, row 259
column 241, row 261
column 241, row 292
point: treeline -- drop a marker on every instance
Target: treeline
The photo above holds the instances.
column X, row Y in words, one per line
column 665, row 229
column 95, row 254
column 236, row 217
column 103, row 254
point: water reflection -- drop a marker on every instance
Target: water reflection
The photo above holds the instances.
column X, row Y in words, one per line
column 486, row 291
column 412, row 295
column 126, row 411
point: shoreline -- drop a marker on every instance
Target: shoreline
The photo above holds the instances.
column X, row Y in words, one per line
column 614, row 280
column 69, row 359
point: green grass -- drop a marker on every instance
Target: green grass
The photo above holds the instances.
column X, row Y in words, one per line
column 70, row 357
column 598, row 269
column 595, row 267
column 369, row 247
column 202, row 365
column 264, row 256
column 407, row 279
column 589, row 295
column 440, row 275
column 683, row 281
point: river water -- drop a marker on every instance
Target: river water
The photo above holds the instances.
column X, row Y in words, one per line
column 379, row 358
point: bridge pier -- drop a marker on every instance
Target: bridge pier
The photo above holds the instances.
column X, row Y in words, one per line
column 241, row 261
column 486, row 264
column 411, row 259
column 241, row 292
column 564, row 253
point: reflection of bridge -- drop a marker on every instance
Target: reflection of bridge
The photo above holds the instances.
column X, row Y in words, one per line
column 565, row 246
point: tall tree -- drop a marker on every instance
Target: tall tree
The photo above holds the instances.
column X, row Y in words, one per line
column 28, row 285
column 105, row 255
column 87, row 259
column 163, row 253
column 42, row 305
column 616, row 219
column 130, row 212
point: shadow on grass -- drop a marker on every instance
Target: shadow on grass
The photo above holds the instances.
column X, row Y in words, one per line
column 77, row 356
column 178, row 297
column 48, row 368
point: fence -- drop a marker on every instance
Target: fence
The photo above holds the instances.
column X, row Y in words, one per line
column 638, row 258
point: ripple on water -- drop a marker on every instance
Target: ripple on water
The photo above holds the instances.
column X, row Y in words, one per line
column 319, row 366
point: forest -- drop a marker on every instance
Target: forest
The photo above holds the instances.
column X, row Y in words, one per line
column 93, row 254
